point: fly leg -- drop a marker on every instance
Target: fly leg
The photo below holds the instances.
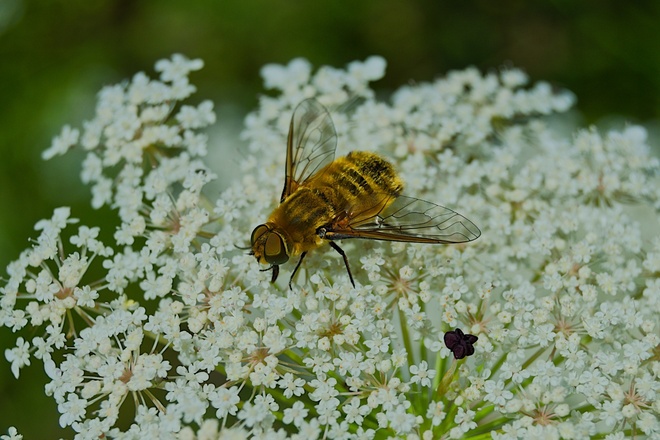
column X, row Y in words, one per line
column 276, row 272
column 296, row 269
column 343, row 255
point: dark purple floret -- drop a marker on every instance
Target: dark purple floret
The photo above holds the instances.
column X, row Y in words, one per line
column 461, row 344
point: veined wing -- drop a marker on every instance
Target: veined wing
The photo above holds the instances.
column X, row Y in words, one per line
column 405, row 219
column 310, row 146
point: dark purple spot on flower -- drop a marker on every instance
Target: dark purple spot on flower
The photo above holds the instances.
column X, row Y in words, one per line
column 461, row 344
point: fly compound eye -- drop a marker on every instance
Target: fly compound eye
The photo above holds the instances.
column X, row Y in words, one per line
column 275, row 251
column 258, row 232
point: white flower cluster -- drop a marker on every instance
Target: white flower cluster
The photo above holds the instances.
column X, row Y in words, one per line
column 562, row 288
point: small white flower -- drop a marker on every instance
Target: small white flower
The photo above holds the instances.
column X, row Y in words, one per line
column 19, row 356
column 177, row 67
column 12, row 434
column 225, row 400
column 354, row 411
column 436, row 413
column 283, row 77
column 85, row 296
column 62, row 143
column 296, row 414
column 496, row 393
column 196, row 117
column 72, row 410
column 421, row 374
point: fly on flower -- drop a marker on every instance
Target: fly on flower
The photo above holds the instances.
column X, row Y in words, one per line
column 357, row 196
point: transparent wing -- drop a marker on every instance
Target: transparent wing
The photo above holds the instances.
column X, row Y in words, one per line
column 404, row 219
column 310, row 146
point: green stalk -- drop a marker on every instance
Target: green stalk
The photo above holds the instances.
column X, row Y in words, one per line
column 447, row 379
column 483, row 412
column 449, row 419
column 535, row 356
column 422, row 347
column 439, row 368
column 489, row 427
column 406, row 338
column 484, row 436
column 293, row 356
column 417, row 390
column 499, row 363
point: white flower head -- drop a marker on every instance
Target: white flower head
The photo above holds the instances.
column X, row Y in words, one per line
column 556, row 302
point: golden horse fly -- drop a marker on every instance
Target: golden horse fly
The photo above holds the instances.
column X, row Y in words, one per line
column 356, row 196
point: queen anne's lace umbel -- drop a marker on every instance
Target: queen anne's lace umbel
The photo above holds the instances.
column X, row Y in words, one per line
column 562, row 288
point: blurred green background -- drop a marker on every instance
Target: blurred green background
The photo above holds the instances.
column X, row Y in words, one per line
column 56, row 54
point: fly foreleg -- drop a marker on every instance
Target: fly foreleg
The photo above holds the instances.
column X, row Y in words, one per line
column 296, row 269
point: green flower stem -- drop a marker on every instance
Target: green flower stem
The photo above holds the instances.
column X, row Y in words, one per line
column 448, row 421
column 483, row 412
column 439, row 368
column 586, row 408
column 422, row 348
column 482, row 436
column 447, row 379
column 489, row 427
column 499, row 363
column 533, row 357
column 369, row 422
column 293, row 356
column 417, row 390
column 406, row 338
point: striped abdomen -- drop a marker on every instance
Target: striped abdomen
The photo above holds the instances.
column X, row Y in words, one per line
column 356, row 182
column 358, row 176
